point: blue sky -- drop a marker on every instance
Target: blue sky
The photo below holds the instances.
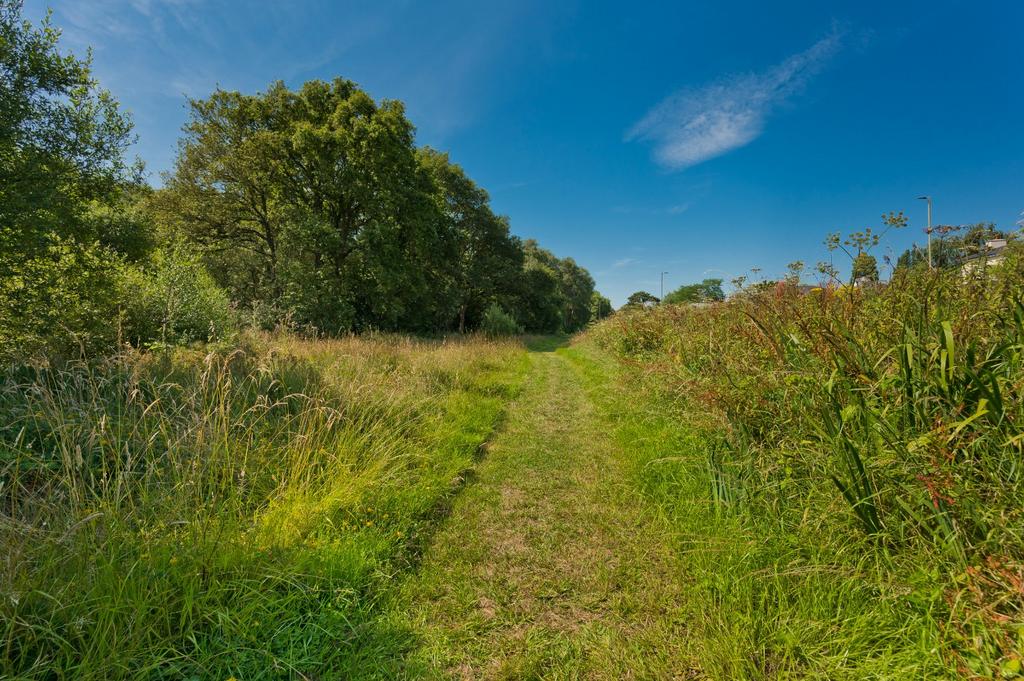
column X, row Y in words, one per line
column 701, row 139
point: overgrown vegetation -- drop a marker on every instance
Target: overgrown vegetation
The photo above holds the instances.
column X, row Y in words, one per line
column 235, row 513
column 190, row 487
column 846, row 465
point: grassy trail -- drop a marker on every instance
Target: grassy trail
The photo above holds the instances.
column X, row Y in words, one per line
column 549, row 565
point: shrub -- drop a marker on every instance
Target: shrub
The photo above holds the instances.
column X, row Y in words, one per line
column 59, row 301
column 175, row 300
column 497, row 322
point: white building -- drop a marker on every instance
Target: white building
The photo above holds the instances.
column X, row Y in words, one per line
column 993, row 253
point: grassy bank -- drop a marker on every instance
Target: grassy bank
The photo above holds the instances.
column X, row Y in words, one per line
column 844, row 469
column 235, row 512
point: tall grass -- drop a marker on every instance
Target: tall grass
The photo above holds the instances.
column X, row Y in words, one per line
column 238, row 512
column 875, row 437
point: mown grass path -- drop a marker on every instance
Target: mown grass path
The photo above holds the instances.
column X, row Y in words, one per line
column 549, row 565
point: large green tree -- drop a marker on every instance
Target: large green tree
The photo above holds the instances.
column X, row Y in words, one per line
column 63, row 141
column 62, row 137
column 313, row 199
column 600, row 307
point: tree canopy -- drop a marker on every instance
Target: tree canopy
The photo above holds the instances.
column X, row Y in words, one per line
column 63, row 142
column 600, row 307
column 708, row 290
column 485, row 259
column 319, row 202
column 641, row 299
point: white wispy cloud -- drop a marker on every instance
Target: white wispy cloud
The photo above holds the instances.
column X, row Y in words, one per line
column 694, row 125
column 619, row 265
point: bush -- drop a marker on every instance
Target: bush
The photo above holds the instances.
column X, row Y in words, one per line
column 175, row 300
column 497, row 322
column 60, row 301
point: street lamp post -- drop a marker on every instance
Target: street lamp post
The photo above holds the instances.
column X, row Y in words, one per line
column 663, row 285
column 929, row 230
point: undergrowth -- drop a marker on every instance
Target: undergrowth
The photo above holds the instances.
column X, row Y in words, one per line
column 845, row 470
column 229, row 512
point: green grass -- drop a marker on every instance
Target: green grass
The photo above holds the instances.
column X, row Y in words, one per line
column 238, row 513
column 761, row 601
column 845, row 469
column 784, row 487
column 550, row 565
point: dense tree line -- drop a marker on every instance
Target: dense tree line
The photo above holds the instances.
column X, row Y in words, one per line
column 311, row 207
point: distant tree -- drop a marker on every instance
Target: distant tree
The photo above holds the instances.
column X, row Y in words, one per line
column 600, row 307
column 641, row 299
column 912, row 257
column 539, row 302
column 865, row 267
column 709, row 290
column 577, row 288
column 555, row 294
column 485, row 259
